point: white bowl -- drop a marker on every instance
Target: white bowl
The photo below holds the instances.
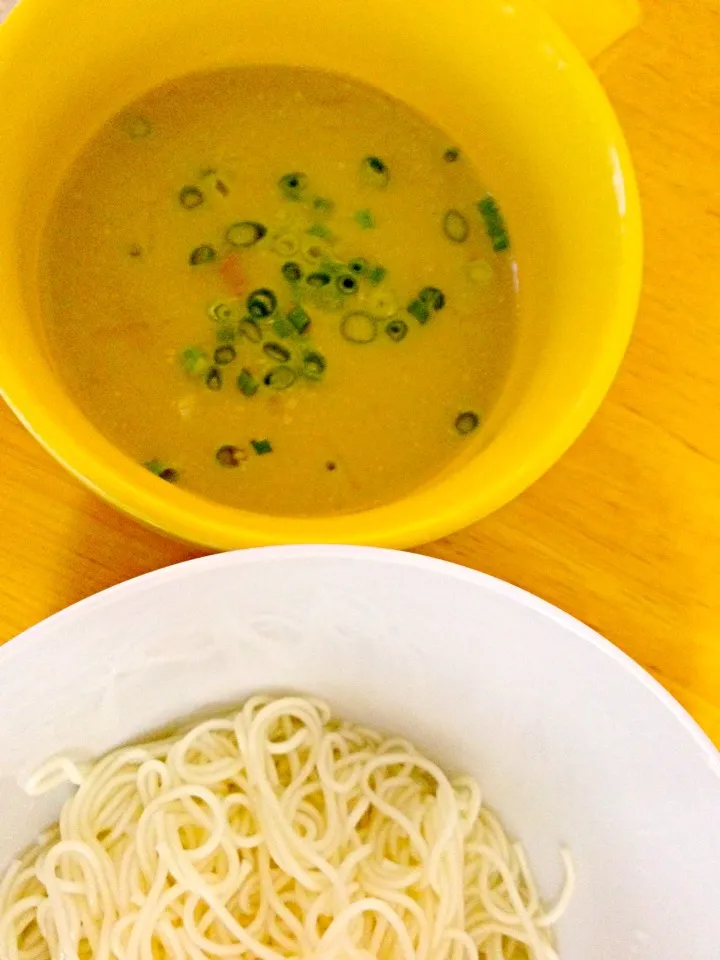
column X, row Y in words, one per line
column 573, row 743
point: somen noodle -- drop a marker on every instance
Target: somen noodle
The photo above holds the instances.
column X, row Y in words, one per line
column 275, row 832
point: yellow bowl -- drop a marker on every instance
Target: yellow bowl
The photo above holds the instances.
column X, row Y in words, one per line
column 495, row 71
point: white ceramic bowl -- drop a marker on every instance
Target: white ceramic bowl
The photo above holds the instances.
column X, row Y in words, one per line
column 573, row 743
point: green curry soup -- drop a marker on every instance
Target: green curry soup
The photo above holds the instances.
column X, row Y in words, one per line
column 280, row 289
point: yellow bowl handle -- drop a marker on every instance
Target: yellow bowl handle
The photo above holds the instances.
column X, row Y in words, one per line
column 594, row 25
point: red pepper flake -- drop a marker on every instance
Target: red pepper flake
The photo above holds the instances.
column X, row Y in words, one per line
column 232, row 274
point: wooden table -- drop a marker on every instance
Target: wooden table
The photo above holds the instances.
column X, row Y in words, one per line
column 624, row 532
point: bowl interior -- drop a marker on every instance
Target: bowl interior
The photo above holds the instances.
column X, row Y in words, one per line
column 572, row 743
column 499, row 77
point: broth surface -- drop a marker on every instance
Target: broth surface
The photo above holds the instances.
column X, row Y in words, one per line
column 349, row 393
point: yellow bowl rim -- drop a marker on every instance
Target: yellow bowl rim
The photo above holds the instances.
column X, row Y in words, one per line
column 389, row 525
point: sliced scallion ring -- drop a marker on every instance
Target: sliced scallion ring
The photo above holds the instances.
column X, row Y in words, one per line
column 314, row 365
column 455, row 226
column 280, row 378
column 247, row 383
column 292, row 271
column 245, row 233
column 261, row 303
column 433, row 297
column 347, row 284
column 358, row 327
column 230, row 456
column 224, row 355
column 358, row 266
column 318, row 279
column 466, row 422
column 276, row 351
column 250, row 328
column 293, row 186
column 223, row 312
column 214, row 379
column 396, row 329
column 202, row 254
column 191, row 197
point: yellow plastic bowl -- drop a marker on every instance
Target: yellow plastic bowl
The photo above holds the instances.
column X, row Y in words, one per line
column 489, row 71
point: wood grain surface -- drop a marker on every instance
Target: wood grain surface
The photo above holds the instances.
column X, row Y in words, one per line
column 624, row 532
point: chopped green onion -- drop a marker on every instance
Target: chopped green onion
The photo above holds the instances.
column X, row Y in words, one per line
column 376, row 275
column 292, row 271
column 276, row 351
column 224, row 313
column 433, row 297
column 261, row 447
column 250, row 328
column 191, row 197
column 280, row 378
column 456, row 227
column 451, row 155
column 221, row 187
column 137, row 128
column 397, row 330
column 323, row 205
column 358, row 266
column 358, row 327
column 364, row 219
column 202, row 254
column 286, row 245
column 488, row 207
column 318, row 279
column 319, row 230
column 195, row 361
column 225, row 334
column 283, row 328
column 347, row 284
column 466, row 422
column 428, row 301
column 161, row 470
column 224, row 355
column 230, row 456
column 419, row 310
column 247, row 383
column 261, row 303
column 314, row 365
column 314, row 252
column 213, row 379
column 494, row 223
column 245, row 234
column 375, row 172
column 293, row 186
column 299, row 319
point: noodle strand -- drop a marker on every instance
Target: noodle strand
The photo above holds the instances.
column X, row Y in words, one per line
column 274, row 833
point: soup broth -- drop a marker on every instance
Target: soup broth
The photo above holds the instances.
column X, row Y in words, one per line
column 280, row 289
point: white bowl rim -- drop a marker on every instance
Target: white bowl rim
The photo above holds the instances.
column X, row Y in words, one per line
column 500, row 588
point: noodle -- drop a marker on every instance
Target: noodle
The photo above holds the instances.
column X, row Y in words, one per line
column 277, row 832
